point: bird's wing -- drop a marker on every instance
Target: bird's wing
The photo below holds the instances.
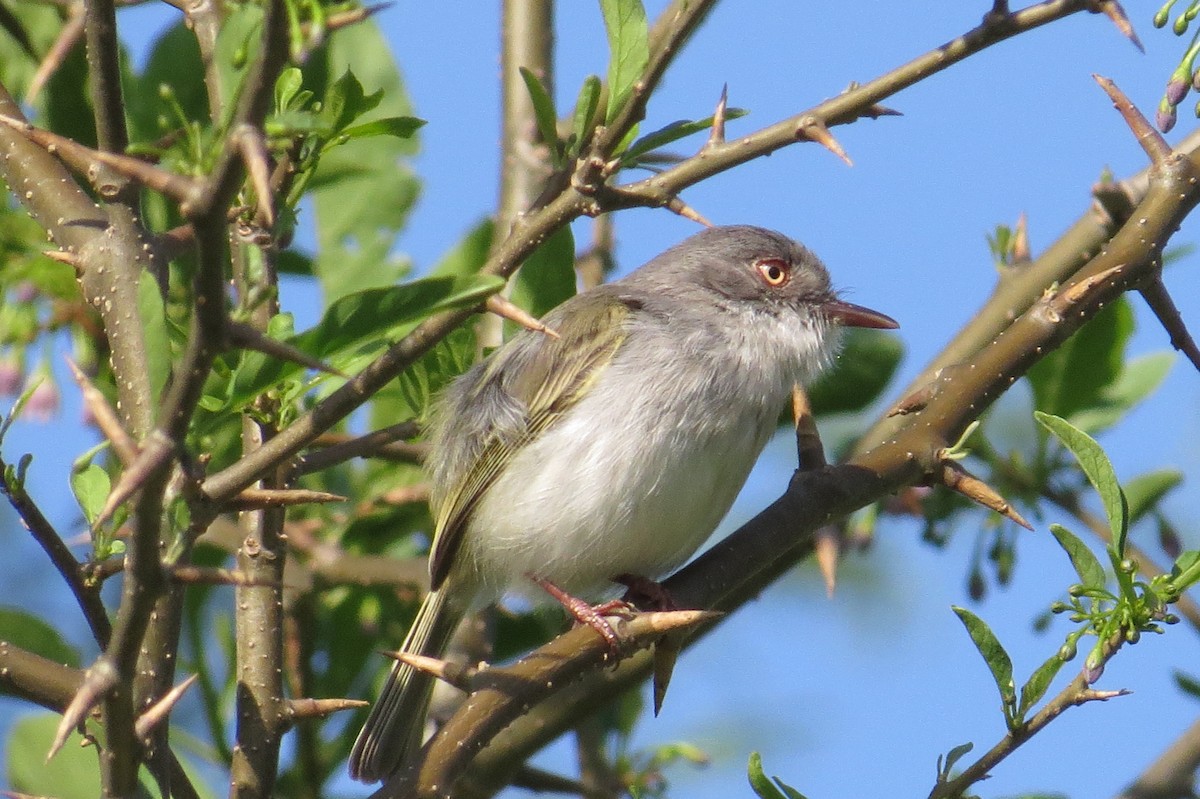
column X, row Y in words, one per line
column 546, row 376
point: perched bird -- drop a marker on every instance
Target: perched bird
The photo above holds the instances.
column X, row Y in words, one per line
column 615, row 448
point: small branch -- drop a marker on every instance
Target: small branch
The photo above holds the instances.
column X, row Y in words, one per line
column 259, row 498
column 1078, row 692
column 1159, row 299
column 379, row 444
column 248, row 337
column 63, row 561
column 106, row 418
column 104, row 75
column 1151, row 140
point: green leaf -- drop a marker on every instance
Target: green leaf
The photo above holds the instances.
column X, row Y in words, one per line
column 154, row 332
column 1074, row 376
column 369, row 318
column 466, row 257
column 773, row 788
column 1138, row 379
column 1035, row 687
column 23, row 630
column 1187, row 683
column 1143, row 492
column 363, row 190
column 73, row 774
column 629, row 50
column 952, row 758
column 400, row 127
column 997, row 659
column 673, row 132
column 1087, row 565
column 91, row 486
column 585, row 111
column 287, row 86
column 1099, row 471
column 543, row 110
column 547, row 277
column 346, row 101
column 867, row 362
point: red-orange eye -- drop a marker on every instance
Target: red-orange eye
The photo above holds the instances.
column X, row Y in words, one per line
column 773, row 271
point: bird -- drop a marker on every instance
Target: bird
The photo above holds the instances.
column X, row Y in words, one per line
column 613, row 447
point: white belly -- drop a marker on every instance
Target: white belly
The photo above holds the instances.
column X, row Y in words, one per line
column 584, row 511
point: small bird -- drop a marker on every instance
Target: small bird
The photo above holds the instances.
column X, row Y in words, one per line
column 614, row 449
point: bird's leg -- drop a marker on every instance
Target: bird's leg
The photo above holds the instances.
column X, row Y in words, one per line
column 586, row 613
column 644, row 592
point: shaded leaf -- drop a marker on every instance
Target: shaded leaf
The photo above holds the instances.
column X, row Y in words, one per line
column 373, row 317
column 547, row 277
column 1143, row 492
column 629, row 50
column 867, row 362
column 1187, row 683
column 469, row 254
column 1087, row 565
column 73, row 774
column 152, row 314
column 1073, row 377
column 1138, row 379
column 993, row 652
column 1099, row 471
column 24, row 630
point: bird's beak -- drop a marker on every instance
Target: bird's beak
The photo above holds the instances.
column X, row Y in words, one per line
column 851, row 315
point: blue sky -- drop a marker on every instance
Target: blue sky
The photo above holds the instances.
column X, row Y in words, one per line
column 858, row 694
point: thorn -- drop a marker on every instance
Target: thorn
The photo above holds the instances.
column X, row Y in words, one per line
column 1156, row 296
column 1020, row 250
column 1113, row 10
column 1094, row 695
column 258, row 165
column 1151, row 141
column 259, row 498
column 717, row 135
column 249, row 337
column 158, row 712
column 956, row 478
column 810, row 451
column 814, row 129
column 876, row 111
column 828, row 548
column 62, row 256
column 1078, row 292
column 302, row 708
column 97, row 682
column 678, row 206
column 503, row 307
column 665, row 621
column 106, row 418
column 155, row 451
column 461, row 677
column 67, row 38
column 347, row 18
column 666, row 653
column 914, row 402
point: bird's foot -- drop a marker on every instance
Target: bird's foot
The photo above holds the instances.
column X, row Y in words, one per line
column 645, row 593
column 593, row 616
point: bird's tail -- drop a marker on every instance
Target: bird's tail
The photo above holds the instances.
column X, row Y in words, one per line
column 394, row 729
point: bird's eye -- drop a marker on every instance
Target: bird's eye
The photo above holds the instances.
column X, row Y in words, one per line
column 773, row 271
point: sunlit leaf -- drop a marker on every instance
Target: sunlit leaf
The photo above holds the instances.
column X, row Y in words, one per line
column 1099, row 471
